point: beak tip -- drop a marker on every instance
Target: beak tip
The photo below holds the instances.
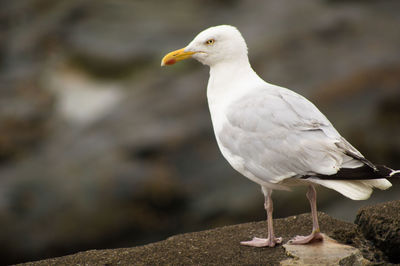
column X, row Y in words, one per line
column 175, row 56
column 168, row 62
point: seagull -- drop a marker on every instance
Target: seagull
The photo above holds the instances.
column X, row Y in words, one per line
column 274, row 136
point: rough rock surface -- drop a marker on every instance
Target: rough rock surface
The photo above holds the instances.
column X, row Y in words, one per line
column 381, row 224
column 327, row 252
column 220, row 246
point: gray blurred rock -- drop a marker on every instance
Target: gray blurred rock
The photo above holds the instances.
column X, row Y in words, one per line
column 25, row 110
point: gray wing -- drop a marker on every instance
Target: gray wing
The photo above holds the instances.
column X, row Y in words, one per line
column 280, row 134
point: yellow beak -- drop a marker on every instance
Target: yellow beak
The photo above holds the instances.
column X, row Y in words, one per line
column 175, row 56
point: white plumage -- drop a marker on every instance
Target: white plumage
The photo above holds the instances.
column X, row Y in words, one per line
column 269, row 133
column 272, row 135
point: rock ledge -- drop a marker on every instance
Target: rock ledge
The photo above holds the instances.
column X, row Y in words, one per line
column 220, row 246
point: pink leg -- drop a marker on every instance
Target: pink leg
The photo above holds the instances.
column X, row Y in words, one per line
column 271, row 241
column 315, row 234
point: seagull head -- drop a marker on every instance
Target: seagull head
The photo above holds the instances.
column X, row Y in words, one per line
column 212, row 46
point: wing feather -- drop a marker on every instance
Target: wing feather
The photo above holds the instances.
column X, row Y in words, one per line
column 280, row 134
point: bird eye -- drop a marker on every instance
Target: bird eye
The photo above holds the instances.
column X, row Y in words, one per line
column 210, row 41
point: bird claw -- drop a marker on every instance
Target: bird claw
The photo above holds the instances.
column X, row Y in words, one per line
column 301, row 240
column 262, row 242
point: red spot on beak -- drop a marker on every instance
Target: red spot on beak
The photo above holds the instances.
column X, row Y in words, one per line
column 170, row 62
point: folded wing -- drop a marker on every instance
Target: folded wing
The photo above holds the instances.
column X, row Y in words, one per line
column 278, row 134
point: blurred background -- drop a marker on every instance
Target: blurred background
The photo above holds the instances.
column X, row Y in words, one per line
column 100, row 147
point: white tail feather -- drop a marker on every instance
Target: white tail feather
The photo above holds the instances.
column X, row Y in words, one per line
column 394, row 172
column 354, row 189
column 382, row 184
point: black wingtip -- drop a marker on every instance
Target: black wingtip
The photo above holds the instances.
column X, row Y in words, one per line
column 364, row 172
column 384, row 171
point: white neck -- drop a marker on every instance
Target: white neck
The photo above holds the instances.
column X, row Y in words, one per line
column 228, row 78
